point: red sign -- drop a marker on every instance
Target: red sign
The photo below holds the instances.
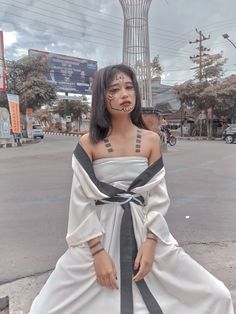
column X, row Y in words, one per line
column 2, row 65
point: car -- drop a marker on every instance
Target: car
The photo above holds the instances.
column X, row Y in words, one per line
column 37, row 131
column 229, row 134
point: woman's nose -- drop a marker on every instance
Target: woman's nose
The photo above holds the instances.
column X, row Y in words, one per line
column 124, row 92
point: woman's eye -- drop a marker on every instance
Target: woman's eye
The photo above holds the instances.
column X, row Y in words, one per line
column 130, row 87
column 113, row 90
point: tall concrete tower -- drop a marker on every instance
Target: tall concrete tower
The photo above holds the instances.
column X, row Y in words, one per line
column 136, row 51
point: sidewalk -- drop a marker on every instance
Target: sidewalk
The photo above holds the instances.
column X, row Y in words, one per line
column 218, row 258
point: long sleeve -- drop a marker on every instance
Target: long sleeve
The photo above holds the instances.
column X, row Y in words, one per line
column 83, row 222
column 157, row 205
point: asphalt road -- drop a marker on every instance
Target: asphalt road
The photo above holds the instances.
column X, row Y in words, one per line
column 35, row 182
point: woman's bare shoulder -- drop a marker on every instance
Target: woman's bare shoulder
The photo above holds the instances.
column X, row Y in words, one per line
column 151, row 136
column 153, row 142
column 87, row 145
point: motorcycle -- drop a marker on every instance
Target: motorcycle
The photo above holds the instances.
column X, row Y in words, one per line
column 170, row 138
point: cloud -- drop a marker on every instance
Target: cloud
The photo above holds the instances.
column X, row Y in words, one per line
column 10, row 38
column 94, row 30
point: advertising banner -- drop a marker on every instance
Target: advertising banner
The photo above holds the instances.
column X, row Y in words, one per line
column 69, row 74
column 4, row 123
column 14, row 106
column 2, row 65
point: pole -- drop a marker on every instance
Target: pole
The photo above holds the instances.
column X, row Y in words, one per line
column 66, row 112
column 201, row 49
column 200, row 52
column 226, row 36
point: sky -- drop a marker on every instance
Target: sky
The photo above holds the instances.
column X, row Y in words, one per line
column 93, row 29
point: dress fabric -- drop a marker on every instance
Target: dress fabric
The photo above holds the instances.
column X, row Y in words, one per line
column 177, row 282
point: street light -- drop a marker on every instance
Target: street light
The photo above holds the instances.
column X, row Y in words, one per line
column 226, row 36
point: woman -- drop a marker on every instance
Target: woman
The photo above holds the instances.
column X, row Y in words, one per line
column 122, row 258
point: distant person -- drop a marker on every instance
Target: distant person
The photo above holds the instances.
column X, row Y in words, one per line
column 161, row 130
column 164, row 129
column 122, row 259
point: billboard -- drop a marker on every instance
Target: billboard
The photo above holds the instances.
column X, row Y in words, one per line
column 2, row 65
column 69, row 74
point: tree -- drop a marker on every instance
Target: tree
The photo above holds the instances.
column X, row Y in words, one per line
column 211, row 67
column 224, row 93
column 75, row 108
column 3, row 100
column 44, row 117
column 28, row 78
column 201, row 94
column 156, row 68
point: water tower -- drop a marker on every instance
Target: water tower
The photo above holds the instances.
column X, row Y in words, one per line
column 136, row 51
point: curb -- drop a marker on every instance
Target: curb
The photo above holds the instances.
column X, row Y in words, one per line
column 6, row 145
column 64, row 134
column 197, row 138
column 23, row 141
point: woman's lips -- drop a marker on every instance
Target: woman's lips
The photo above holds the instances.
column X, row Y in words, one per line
column 125, row 104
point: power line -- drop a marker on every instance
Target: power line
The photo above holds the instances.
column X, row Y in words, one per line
column 82, row 27
column 49, row 16
column 87, row 40
column 88, row 16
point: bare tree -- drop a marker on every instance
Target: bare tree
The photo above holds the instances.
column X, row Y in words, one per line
column 156, row 68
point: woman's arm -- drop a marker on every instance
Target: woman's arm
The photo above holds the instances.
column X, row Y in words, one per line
column 104, row 266
column 144, row 259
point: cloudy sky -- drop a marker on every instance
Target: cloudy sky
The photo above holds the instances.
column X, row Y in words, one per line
column 93, row 29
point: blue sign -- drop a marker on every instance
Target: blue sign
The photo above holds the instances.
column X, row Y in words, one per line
column 69, row 74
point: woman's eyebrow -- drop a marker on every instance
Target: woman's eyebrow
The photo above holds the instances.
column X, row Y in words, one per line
column 112, row 85
column 118, row 83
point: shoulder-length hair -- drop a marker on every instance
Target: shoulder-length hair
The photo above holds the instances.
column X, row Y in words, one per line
column 100, row 122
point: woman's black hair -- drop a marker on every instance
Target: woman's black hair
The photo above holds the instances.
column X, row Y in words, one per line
column 100, row 122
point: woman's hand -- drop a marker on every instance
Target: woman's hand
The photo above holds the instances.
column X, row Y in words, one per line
column 144, row 259
column 105, row 270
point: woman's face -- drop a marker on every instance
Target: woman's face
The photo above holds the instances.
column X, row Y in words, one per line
column 120, row 95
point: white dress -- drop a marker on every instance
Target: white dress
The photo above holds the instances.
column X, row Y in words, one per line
column 176, row 285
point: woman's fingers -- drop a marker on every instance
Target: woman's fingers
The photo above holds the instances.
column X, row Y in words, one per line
column 144, row 269
column 108, row 281
column 137, row 260
column 114, row 276
column 114, row 270
column 113, row 282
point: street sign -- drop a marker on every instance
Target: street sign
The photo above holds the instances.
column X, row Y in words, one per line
column 68, row 118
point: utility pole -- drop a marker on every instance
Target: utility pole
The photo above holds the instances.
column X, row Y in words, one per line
column 226, row 36
column 201, row 49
